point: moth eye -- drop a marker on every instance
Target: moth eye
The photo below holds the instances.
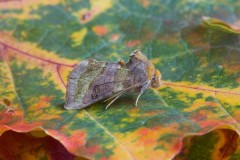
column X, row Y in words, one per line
column 155, row 78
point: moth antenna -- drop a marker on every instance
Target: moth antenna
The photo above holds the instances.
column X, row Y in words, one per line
column 113, row 101
column 113, row 96
column 125, row 90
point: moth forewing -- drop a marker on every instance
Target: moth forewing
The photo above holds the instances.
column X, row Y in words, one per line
column 72, row 89
column 94, row 82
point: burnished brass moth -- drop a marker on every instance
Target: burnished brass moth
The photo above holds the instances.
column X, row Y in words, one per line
column 92, row 80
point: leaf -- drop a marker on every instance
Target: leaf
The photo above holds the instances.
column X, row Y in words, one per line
column 218, row 24
column 199, row 59
column 221, row 143
column 33, row 145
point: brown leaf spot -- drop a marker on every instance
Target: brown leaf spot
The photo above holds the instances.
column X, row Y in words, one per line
column 100, row 30
column 86, row 16
column 132, row 43
column 6, row 102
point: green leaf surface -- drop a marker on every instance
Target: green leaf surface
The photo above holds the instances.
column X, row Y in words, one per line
column 199, row 59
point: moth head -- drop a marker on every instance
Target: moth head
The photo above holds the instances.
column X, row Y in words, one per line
column 155, row 82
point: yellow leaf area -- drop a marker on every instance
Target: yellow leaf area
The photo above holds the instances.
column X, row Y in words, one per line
column 36, row 57
column 224, row 101
column 26, row 8
column 164, row 141
column 84, row 15
column 78, row 36
column 54, row 68
column 143, row 143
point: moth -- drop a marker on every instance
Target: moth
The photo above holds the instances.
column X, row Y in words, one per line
column 92, row 80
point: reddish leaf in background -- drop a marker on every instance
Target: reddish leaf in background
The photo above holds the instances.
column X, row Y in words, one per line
column 26, row 146
column 132, row 43
column 100, row 30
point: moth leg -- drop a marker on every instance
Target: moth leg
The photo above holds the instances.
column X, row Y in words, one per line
column 125, row 90
column 113, row 100
column 144, row 87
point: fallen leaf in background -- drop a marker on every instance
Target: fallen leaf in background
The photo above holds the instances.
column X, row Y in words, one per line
column 32, row 145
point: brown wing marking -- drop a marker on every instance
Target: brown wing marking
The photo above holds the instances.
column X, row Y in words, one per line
column 80, row 80
column 72, row 83
column 100, row 87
